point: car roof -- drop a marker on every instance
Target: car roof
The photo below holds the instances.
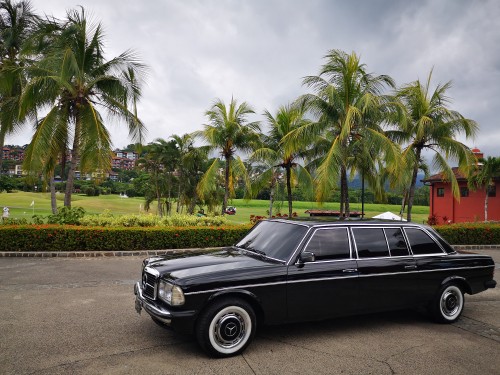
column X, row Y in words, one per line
column 314, row 223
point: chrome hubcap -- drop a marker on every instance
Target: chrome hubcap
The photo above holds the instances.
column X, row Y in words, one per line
column 229, row 330
column 451, row 302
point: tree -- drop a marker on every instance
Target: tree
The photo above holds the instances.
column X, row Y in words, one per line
column 227, row 132
column 17, row 24
column 428, row 124
column 161, row 160
column 191, row 160
column 76, row 83
column 349, row 109
column 484, row 175
column 277, row 156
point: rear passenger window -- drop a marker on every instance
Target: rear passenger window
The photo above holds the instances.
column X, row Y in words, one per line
column 370, row 242
column 330, row 244
column 421, row 243
column 396, row 241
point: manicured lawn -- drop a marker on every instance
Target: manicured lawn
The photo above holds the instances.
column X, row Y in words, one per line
column 19, row 204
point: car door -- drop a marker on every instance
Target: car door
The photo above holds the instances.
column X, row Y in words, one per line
column 388, row 275
column 327, row 286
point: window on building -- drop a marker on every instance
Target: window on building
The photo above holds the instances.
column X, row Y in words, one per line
column 330, row 244
column 370, row 242
column 492, row 190
column 464, row 191
column 440, row 192
column 421, row 243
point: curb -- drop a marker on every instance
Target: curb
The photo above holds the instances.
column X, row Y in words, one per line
column 102, row 254
column 146, row 253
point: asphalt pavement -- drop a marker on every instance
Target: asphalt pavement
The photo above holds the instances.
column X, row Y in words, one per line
column 77, row 316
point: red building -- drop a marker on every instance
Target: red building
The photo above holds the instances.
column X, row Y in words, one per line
column 470, row 208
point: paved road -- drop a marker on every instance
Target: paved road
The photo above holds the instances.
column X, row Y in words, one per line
column 76, row 316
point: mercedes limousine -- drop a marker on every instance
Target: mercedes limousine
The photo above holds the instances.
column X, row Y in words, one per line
column 286, row 271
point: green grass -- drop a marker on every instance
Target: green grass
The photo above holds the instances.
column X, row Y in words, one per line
column 259, row 207
column 19, row 204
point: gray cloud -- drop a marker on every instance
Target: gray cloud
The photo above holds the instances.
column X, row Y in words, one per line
column 259, row 50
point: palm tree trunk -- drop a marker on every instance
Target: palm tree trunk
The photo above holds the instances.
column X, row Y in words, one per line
column 179, row 193
column 289, row 190
column 2, row 141
column 226, row 187
column 53, row 201
column 344, row 198
column 74, row 162
column 271, row 196
column 411, row 194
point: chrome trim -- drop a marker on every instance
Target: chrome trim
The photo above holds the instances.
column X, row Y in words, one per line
column 296, row 250
column 242, row 287
column 152, row 271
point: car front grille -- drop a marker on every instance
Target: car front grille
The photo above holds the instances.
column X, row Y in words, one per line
column 149, row 285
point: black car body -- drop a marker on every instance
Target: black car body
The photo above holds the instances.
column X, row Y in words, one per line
column 285, row 271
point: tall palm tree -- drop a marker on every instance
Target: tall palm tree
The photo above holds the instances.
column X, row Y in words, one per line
column 429, row 124
column 18, row 22
column 487, row 171
column 349, row 109
column 228, row 131
column 278, row 156
column 76, row 84
column 190, row 160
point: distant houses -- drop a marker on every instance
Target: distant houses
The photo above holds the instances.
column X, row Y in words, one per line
column 122, row 159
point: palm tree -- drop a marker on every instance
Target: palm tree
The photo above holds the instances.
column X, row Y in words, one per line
column 76, row 84
column 350, row 111
column 190, row 160
column 227, row 132
column 484, row 176
column 278, row 156
column 428, row 124
column 17, row 24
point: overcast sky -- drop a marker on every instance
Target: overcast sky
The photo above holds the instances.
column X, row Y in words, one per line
column 259, row 50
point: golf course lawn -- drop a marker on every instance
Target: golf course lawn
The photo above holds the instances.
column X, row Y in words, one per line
column 20, row 206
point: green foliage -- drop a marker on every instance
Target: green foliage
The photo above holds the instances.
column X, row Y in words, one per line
column 77, row 238
column 108, row 220
column 67, row 215
column 14, row 221
column 470, row 234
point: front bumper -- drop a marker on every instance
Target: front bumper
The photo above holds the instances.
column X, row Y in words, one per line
column 151, row 307
column 178, row 320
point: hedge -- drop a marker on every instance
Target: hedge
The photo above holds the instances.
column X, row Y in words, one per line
column 77, row 238
column 470, row 233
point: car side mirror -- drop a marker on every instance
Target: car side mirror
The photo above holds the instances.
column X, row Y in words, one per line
column 307, row 257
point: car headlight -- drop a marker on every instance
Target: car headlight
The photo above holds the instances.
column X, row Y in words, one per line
column 170, row 293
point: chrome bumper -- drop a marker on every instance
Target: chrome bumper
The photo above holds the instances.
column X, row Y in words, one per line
column 150, row 307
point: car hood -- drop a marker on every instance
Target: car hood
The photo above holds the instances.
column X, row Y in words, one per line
column 227, row 261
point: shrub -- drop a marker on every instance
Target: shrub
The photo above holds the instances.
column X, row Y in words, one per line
column 135, row 220
column 78, row 238
column 66, row 215
column 470, row 233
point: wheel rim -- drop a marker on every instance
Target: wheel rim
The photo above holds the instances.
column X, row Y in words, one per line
column 230, row 329
column 451, row 302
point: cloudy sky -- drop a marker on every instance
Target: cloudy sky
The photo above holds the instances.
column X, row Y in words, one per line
column 259, row 50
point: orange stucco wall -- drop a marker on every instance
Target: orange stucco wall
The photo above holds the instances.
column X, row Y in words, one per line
column 468, row 209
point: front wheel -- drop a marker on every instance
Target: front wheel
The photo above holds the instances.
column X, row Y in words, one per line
column 448, row 304
column 226, row 327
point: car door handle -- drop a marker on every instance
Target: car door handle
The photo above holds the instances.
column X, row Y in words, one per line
column 412, row 267
column 350, row 270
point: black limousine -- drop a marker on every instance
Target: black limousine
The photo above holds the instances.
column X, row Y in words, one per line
column 286, row 271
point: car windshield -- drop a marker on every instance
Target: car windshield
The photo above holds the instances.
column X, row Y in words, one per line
column 274, row 239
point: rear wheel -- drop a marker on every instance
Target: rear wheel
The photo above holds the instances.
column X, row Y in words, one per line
column 226, row 327
column 448, row 304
